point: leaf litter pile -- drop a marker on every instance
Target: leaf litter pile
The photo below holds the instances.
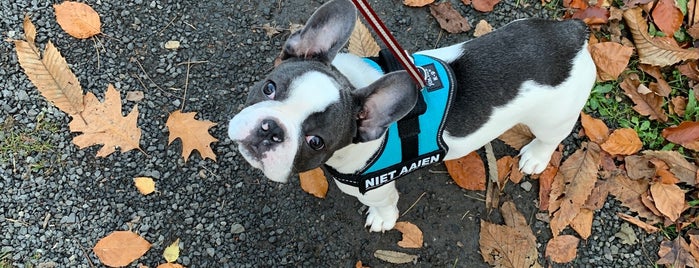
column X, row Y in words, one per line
column 645, row 55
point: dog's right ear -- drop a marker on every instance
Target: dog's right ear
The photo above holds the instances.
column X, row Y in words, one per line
column 382, row 103
column 324, row 34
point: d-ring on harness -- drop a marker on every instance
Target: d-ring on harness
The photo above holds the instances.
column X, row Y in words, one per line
column 415, row 141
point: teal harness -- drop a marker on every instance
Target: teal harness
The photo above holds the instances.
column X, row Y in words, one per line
column 415, row 141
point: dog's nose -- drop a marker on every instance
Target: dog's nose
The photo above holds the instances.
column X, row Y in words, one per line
column 270, row 131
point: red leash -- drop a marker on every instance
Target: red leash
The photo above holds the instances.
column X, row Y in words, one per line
column 389, row 40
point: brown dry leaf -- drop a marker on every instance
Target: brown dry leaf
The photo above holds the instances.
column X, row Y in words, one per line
column 448, row 18
column 690, row 68
column 678, row 105
column 51, row 74
column 582, row 223
column 468, row 172
column 675, row 253
column 580, row 173
column 145, row 185
column 504, row 166
column 595, row 129
column 517, row 136
column 513, row 217
column 558, row 187
column 78, row 19
column 417, row 3
column 193, row 133
column 667, row 16
column 669, row 199
column 361, row 43
column 314, row 182
column 120, row 248
column 683, row 169
column 592, row 15
column 639, row 167
column 507, row 246
column 611, row 59
column 647, row 201
column 484, row 5
column 562, row 248
column 661, row 87
column 638, row 222
column 170, row 265
column 654, row 51
column 629, row 193
column 575, row 4
column 694, row 245
column 645, row 104
column 482, row 27
column 102, row 123
column 686, row 134
column 516, row 175
column 598, row 196
column 270, row 30
column 412, row 235
column 546, row 180
column 623, row 141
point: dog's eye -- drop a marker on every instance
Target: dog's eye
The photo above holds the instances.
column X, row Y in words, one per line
column 315, row 142
column 269, row 89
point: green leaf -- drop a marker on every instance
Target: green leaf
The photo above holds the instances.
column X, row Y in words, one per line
column 682, row 5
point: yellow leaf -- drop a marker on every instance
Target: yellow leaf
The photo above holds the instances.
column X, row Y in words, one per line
column 314, row 182
column 102, row 123
column 361, row 43
column 78, row 19
column 412, row 235
column 623, row 141
column 172, row 252
column 144, row 185
column 654, row 51
column 51, row 74
column 417, row 3
column 193, row 133
column 120, row 248
column 595, row 129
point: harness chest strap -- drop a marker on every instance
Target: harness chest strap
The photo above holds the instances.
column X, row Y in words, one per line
column 415, row 141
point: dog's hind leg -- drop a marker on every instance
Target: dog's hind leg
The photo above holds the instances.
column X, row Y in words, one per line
column 535, row 156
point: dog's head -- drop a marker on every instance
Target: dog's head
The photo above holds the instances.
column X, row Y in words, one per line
column 305, row 109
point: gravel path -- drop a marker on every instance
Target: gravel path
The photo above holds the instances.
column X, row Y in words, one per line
column 57, row 203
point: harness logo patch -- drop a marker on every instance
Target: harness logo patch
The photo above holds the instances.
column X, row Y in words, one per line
column 432, row 81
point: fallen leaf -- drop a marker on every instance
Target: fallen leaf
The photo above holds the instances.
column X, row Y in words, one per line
column 170, row 265
column 359, row 264
column 270, row 30
column 484, row 5
column 78, row 19
column 582, row 223
column 639, row 167
column 172, row 252
column 598, row 196
column 482, row 27
column 517, row 136
column 468, row 172
column 102, row 123
column 448, row 18
column 595, row 129
column 193, row 133
column 516, row 175
column 394, row 256
column 667, row 16
column 562, row 248
column 645, row 104
column 678, row 105
column 580, row 173
column 504, row 166
column 412, row 235
column 626, row 234
column 575, row 4
column 690, row 68
column 172, row 44
column 623, row 141
column 512, row 216
column 662, row 173
column 638, row 222
column 647, row 201
column 507, row 246
column 134, row 96
column 592, row 15
column 683, row 169
column 629, row 193
column 661, row 87
column 417, row 3
column 120, row 248
column 361, row 43
column 145, row 185
column 611, row 59
column 686, row 134
column 669, row 199
column 654, row 51
column 557, row 190
column 694, row 245
column 675, row 253
column 314, row 182
column 50, row 74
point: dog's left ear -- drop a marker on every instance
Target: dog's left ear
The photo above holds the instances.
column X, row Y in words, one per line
column 324, row 34
column 382, row 103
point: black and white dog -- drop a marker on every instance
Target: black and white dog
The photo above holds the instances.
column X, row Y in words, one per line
column 319, row 107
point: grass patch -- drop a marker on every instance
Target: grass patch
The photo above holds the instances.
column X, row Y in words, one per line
column 4, row 260
column 18, row 143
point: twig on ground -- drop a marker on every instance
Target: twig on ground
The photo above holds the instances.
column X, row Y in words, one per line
column 168, row 24
column 414, row 203
column 475, row 198
column 86, row 256
column 18, row 222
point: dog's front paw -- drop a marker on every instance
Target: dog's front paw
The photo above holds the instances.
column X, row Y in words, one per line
column 534, row 157
column 381, row 218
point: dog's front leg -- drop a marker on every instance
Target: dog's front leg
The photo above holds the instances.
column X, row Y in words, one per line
column 382, row 203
